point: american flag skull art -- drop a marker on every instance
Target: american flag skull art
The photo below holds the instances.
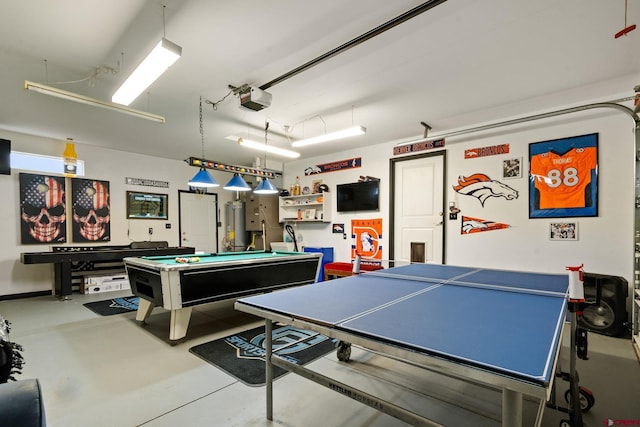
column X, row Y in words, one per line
column 43, row 208
column 91, row 209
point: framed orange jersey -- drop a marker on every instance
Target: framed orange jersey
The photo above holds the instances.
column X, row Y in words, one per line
column 563, row 177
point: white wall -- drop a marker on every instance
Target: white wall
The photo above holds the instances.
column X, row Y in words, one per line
column 605, row 242
column 101, row 164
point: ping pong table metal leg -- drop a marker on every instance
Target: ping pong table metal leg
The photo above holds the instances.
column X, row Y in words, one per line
column 268, row 328
column 511, row 408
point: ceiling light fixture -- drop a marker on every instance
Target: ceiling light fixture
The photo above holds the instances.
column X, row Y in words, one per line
column 75, row 97
column 203, row 178
column 153, row 66
column 266, row 187
column 263, row 147
column 237, row 184
column 341, row 134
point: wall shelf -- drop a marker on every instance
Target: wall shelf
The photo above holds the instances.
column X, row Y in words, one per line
column 313, row 208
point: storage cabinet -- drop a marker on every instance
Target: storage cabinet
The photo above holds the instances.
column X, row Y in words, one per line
column 305, row 208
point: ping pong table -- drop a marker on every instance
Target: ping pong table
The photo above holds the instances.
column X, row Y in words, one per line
column 497, row 328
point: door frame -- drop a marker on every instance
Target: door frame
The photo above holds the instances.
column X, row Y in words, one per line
column 392, row 199
column 217, row 224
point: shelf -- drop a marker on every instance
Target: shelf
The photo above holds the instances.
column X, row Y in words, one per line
column 321, row 209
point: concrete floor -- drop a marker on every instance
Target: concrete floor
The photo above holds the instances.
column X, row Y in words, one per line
column 111, row 371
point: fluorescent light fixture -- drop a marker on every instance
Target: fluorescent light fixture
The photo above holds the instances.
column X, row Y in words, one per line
column 203, row 179
column 237, row 184
column 263, row 147
column 70, row 96
column 345, row 133
column 265, row 187
column 161, row 57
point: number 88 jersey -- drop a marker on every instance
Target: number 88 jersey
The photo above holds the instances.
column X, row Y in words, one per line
column 562, row 179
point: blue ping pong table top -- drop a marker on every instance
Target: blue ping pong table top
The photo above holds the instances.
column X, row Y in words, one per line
column 500, row 320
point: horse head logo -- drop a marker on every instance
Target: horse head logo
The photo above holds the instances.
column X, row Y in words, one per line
column 482, row 187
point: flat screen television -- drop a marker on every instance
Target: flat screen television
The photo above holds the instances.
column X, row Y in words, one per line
column 358, row 196
column 5, row 157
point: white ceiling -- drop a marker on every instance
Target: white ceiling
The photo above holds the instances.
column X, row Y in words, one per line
column 461, row 63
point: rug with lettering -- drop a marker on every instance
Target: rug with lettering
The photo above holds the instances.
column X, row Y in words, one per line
column 242, row 355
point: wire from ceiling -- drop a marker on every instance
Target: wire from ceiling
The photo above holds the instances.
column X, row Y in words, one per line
column 342, row 48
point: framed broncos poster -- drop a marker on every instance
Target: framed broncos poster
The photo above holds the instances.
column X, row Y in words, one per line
column 563, row 177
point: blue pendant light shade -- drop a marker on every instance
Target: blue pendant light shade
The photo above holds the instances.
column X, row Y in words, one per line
column 203, row 179
column 237, row 184
column 265, row 187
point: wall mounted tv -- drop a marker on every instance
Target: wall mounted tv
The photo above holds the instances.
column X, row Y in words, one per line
column 358, row 196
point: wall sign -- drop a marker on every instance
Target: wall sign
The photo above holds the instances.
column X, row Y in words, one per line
column 476, row 225
column 493, row 150
column 334, row 166
column 146, row 182
column 483, row 188
column 366, row 234
column 418, row 146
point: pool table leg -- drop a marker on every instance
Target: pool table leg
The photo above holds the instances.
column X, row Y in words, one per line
column 179, row 323
column 144, row 309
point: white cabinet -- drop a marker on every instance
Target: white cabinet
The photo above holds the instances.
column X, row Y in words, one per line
column 305, row 208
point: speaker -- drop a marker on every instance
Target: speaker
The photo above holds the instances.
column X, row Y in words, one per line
column 605, row 311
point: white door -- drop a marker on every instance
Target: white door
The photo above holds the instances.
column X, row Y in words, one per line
column 418, row 209
column 198, row 221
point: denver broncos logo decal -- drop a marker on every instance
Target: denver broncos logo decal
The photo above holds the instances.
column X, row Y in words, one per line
column 482, row 187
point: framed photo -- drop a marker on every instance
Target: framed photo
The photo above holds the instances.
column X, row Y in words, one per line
column 147, row 205
column 563, row 231
column 563, row 177
column 309, row 214
column 315, row 189
column 512, row 168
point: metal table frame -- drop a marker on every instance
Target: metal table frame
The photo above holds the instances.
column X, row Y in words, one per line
column 512, row 389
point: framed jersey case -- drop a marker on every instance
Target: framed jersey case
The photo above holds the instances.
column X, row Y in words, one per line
column 563, row 177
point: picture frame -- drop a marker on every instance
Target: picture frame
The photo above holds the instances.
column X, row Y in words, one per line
column 143, row 205
column 563, row 177
column 563, row 230
column 309, row 214
column 512, row 168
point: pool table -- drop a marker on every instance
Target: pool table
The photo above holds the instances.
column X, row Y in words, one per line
column 165, row 282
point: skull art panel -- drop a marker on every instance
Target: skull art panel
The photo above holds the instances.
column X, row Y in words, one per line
column 42, row 209
column 91, row 210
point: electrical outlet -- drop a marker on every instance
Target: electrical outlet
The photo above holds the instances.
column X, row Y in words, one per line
column 150, row 230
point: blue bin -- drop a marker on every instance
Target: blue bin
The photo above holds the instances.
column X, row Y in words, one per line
column 327, row 257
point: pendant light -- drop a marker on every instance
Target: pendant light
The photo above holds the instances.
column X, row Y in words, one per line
column 203, row 178
column 265, row 186
column 237, row 184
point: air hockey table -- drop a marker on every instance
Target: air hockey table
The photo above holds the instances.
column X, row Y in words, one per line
column 497, row 328
column 177, row 283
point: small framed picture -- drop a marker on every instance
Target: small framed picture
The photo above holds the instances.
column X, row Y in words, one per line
column 563, row 231
column 512, row 168
column 309, row 214
column 315, row 189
